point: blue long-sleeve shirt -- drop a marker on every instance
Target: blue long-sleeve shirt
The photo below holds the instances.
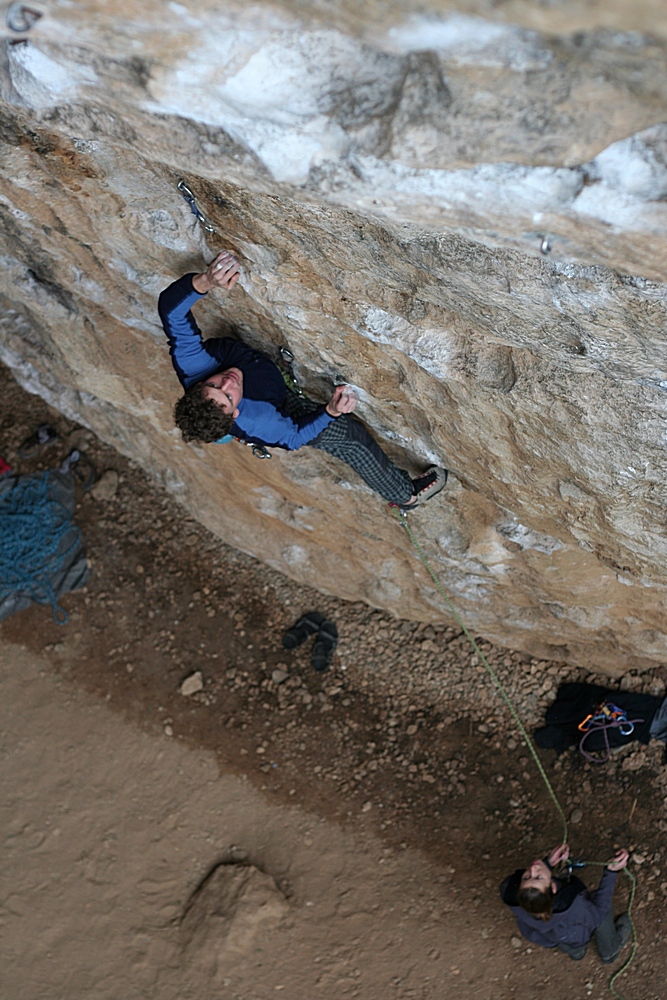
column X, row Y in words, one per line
column 259, row 418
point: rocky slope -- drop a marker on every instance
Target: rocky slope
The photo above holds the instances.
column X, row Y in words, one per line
column 462, row 213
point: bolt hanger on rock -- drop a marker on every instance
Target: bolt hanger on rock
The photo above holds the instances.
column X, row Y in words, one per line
column 21, row 18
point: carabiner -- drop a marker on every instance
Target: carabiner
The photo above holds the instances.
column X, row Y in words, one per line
column 583, row 726
column 194, row 207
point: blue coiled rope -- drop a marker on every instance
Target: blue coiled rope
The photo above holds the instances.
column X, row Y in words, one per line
column 33, row 527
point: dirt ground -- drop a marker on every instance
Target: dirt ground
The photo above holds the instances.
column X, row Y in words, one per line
column 386, row 799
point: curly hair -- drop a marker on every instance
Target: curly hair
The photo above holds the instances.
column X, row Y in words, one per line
column 200, row 419
column 537, row 902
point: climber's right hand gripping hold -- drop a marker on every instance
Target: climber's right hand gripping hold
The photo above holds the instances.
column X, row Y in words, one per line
column 342, row 401
column 223, row 272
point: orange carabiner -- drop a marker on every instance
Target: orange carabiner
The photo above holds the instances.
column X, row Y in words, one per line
column 582, row 725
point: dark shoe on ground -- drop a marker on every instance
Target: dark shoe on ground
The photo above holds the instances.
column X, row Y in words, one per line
column 427, row 486
column 623, row 925
column 305, row 627
column 43, row 438
column 576, row 954
column 83, row 470
column 326, row 642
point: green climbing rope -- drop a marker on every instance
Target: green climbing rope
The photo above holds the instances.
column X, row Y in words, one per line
column 402, row 516
column 626, row 964
column 403, row 520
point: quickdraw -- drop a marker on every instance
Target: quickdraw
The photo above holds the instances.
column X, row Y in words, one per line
column 258, row 450
column 287, row 371
column 194, row 207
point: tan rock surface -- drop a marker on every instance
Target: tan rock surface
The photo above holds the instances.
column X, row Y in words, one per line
column 388, row 183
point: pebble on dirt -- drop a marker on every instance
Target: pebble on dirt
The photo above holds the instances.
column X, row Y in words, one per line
column 106, row 486
column 192, row 684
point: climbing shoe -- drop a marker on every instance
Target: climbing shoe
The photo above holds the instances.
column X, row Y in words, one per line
column 426, row 486
column 83, row 470
column 305, row 627
column 623, row 926
column 326, row 642
column 43, row 438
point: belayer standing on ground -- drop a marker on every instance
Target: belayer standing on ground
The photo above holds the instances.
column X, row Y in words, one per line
column 232, row 389
column 561, row 913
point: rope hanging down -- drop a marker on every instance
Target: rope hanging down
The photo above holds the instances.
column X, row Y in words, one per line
column 626, row 964
column 402, row 516
column 33, row 526
column 403, row 520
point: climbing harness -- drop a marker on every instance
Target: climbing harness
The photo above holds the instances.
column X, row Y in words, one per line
column 607, row 712
column 194, row 207
column 258, row 450
column 286, row 369
column 402, row 516
column 34, row 526
column 604, row 717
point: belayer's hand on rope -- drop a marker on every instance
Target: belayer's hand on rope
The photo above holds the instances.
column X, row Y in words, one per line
column 619, row 861
column 558, row 855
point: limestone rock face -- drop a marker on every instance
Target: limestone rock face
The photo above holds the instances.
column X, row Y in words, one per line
column 462, row 213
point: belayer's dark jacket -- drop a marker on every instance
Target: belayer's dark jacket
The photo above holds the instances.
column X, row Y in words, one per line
column 576, row 911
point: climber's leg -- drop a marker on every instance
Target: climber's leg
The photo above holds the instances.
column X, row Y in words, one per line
column 348, row 440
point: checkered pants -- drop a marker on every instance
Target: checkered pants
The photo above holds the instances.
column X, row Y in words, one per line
column 348, row 440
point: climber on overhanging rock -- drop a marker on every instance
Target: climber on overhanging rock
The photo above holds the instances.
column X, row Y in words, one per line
column 232, row 389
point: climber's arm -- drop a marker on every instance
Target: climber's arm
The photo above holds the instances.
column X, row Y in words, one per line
column 190, row 357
